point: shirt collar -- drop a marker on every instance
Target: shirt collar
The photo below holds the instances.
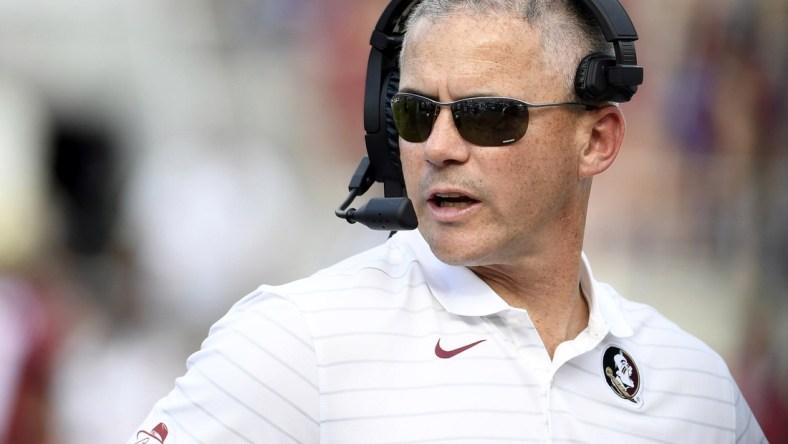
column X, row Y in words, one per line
column 605, row 314
column 457, row 288
column 461, row 292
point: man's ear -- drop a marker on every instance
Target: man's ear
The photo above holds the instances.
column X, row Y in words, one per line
column 604, row 141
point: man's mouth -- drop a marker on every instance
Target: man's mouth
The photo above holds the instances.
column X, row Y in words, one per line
column 452, row 200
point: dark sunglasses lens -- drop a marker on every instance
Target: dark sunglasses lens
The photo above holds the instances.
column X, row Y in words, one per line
column 490, row 122
column 413, row 117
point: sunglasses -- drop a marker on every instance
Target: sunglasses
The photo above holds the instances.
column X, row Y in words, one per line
column 483, row 121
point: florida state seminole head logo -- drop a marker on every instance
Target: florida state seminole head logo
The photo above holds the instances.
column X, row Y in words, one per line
column 621, row 373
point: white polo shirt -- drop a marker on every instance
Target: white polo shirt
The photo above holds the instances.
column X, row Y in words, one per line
column 395, row 346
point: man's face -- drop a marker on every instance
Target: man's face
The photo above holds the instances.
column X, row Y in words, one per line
column 506, row 203
column 624, row 371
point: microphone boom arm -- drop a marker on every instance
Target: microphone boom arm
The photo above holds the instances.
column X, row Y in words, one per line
column 379, row 213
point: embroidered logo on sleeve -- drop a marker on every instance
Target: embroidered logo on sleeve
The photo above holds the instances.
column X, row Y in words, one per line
column 621, row 374
column 157, row 435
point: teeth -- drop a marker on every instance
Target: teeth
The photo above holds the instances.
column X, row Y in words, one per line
column 454, row 204
column 454, row 200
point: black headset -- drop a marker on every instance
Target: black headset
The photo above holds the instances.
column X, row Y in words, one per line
column 600, row 77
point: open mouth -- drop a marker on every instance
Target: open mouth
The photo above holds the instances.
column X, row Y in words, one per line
column 452, row 200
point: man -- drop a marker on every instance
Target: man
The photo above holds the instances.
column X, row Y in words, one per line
column 623, row 371
column 621, row 381
column 486, row 324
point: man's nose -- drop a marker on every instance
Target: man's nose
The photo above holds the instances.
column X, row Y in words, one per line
column 445, row 145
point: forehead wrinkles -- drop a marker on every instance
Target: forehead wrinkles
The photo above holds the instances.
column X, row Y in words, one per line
column 494, row 49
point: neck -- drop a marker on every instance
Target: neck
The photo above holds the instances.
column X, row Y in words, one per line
column 546, row 283
column 549, row 292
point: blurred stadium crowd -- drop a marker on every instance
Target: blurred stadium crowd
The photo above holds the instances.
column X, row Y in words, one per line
column 160, row 159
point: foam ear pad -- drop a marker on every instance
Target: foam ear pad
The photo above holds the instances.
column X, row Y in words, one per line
column 591, row 78
column 392, row 87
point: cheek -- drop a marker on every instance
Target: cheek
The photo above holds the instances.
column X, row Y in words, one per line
column 553, row 155
column 533, row 166
column 539, row 175
column 410, row 158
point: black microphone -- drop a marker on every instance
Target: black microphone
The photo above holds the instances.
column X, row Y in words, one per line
column 379, row 213
column 385, row 213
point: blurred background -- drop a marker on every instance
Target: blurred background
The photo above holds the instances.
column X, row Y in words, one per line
column 161, row 159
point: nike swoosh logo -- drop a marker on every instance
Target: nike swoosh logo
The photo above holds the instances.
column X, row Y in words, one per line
column 446, row 354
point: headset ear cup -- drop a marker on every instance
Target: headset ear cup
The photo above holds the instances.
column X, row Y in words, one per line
column 591, row 78
column 392, row 136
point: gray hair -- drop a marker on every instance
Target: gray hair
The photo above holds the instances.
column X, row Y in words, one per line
column 568, row 30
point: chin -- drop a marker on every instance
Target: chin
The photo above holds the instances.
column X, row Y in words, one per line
column 452, row 259
column 457, row 251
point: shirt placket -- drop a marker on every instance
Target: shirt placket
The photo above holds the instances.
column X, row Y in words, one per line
column 532, row 357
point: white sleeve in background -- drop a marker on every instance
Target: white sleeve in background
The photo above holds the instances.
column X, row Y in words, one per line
column 253, row 380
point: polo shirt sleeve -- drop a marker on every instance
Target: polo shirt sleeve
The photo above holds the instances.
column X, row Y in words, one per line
column 253, row 380
column 747, row 428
